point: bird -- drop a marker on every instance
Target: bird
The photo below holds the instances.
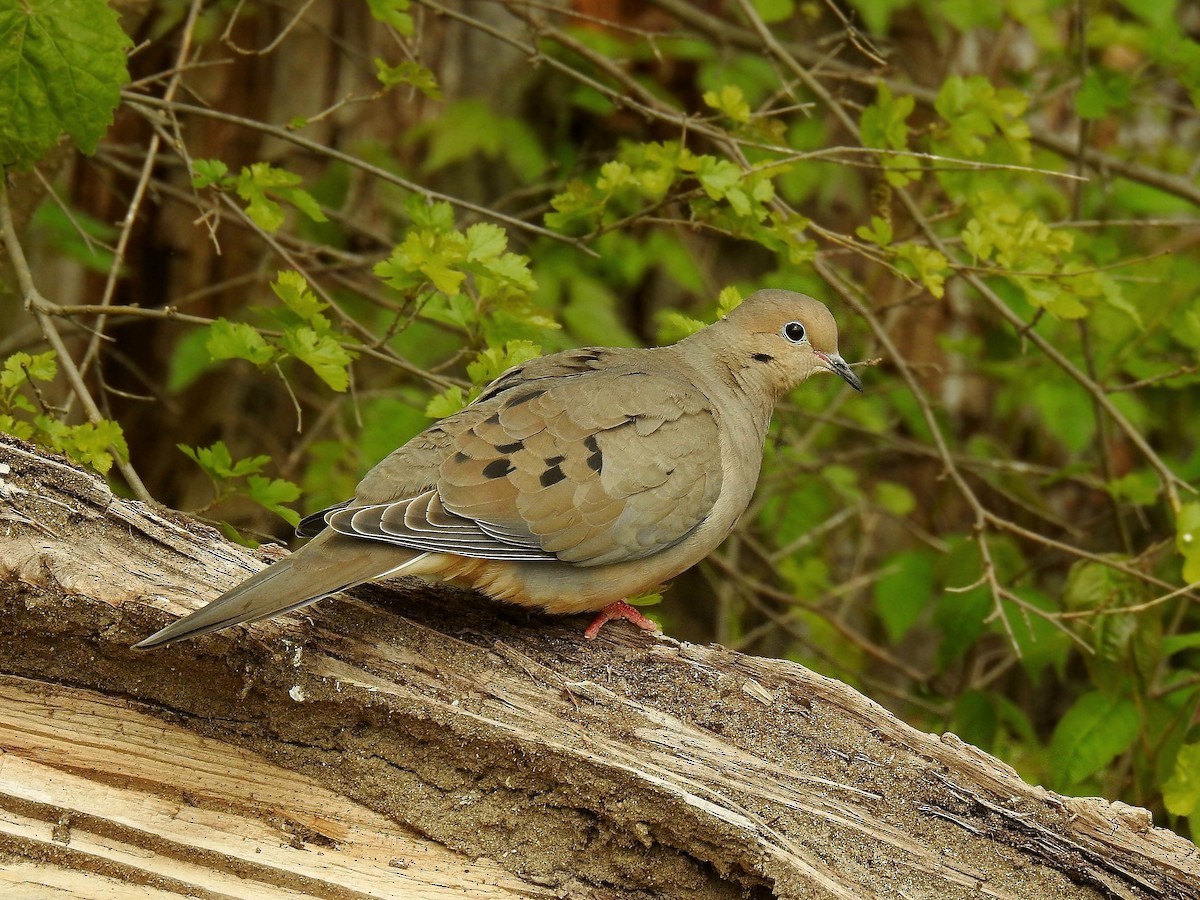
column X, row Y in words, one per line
column 571, row 483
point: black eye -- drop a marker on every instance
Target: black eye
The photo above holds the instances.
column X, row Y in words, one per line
column 794, row 332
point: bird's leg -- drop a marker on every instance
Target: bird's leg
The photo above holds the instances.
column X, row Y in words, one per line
column 618, row 610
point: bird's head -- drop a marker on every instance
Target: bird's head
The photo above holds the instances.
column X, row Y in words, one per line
column 777, row 339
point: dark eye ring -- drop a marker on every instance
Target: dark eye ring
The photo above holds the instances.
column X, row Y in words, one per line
column 794, row 332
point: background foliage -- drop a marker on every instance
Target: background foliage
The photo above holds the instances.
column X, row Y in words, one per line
column 311, row 226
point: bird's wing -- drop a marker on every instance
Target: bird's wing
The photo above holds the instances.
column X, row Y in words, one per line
column 581, row 460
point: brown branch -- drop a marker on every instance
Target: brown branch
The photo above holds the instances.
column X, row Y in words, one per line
column 632, row 767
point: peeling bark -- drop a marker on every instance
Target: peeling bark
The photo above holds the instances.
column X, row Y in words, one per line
column 285, row 759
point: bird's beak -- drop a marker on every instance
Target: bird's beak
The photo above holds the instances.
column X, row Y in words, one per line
column 839, row 367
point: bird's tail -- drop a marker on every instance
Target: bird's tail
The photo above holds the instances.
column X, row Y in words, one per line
column 326, row 565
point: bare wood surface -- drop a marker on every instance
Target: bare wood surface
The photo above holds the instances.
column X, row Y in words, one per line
column 633, row 766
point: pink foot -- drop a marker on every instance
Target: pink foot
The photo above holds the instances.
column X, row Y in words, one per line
column 618, row 610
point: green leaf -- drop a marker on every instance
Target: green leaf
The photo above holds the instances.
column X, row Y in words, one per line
column 1040, row 643
column 209, row 172
column 393, row 13
column 62, row 67
column 256, row 184
column 973, row 109
column 675, row 326
column 1140, row 487
column 728, row 300
column 904, row 591
column 879, row 232
column 884, row 124
column 237, row 340
column 437, row 217
column 1123, row 643
column 470, row 127
column 190, row 358
column 775, row 10
column 877, row 14
column 411, row 73
column 650, row 599
column 1092, row 733
column 292, row 288
column 1187, row 540
column 15, row 427
column 731, row 101
column 960, row 614
column 273, row 493
column 485, row 242
column 322, row 353
column 895, row 498
column 1102, row 92
column 494, row 361
column 21, row 366
column 928, row 265
column 218, row 463
column 1181, row 792
column 1177, row 642
column 88, row 443
column 447, row 403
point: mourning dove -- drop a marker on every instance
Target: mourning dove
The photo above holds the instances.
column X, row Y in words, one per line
column 571, row 483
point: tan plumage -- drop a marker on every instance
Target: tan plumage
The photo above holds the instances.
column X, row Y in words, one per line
column 572, row 482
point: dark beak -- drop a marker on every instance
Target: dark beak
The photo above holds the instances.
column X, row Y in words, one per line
column 841, row 368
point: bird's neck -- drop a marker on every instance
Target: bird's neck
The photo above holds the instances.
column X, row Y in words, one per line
column 725, row 376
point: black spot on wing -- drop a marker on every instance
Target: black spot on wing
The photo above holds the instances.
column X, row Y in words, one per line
column 525, row 398
column 511, row 448
column 551, row 476
column 498, row 468
column 595, row 460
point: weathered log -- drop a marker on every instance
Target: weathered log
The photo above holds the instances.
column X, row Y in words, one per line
column 419, row 741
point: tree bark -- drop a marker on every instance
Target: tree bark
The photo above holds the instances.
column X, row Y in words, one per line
column 419, row 741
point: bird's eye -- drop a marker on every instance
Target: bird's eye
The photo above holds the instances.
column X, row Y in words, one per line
column 794, row 332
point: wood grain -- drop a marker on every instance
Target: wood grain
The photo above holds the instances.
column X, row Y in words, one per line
column 297, row 754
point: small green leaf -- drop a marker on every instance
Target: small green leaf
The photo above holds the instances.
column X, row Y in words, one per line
column 728, row 300
column 292, row 288
column 1140, row 487
column 237, row 340
column 321, row 353
column 209, row 172
column 1103, row 91
column 1090, row 735
column 494, row 361
column 650, row 599
column 447, row 403
column 675, row 326
column 730, row 101
column 879, row 232
column 485, row 242
column 273, row 493
column 218, row 463
column 21, row 366
column 88, row 443
column 393, row 13
column 1181, row 792
column 930, row 266
column 62, row 67
column 904, row 591
column 1187, row 540
column 775, row 10
column 410, row 73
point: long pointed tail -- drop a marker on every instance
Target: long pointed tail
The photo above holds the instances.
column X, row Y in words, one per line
column 325, row 565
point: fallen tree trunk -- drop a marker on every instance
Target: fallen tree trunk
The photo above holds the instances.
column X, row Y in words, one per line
column 419, row 741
